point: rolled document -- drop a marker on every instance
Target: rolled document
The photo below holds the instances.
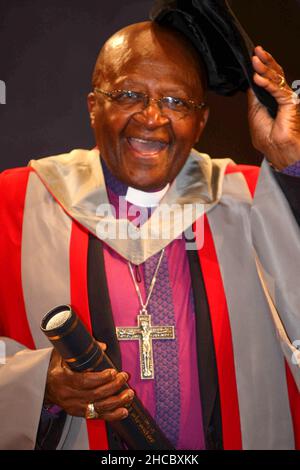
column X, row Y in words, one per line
column 81, row 352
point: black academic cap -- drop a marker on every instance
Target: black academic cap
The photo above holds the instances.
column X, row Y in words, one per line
column 223, row 44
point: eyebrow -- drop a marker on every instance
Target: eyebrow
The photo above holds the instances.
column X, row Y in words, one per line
column 166, row 89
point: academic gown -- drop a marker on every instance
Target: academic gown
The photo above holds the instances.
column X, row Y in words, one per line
column 244, row 280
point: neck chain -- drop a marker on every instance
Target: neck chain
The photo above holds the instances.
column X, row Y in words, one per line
column 144, row 306
column 145, row 332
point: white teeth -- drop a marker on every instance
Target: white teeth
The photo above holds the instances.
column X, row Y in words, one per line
column 141, row 140
column 144, row 141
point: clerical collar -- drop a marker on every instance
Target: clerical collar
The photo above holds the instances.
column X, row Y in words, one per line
column 145, row 199
column 132, row 195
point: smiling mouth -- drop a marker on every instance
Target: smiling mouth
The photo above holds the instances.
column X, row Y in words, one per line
column 146, row 146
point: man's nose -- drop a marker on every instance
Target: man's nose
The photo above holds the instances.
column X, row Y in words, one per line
column 151, row 116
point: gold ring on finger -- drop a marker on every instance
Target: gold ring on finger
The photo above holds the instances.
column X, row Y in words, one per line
column 282, row 82
column 91, row 412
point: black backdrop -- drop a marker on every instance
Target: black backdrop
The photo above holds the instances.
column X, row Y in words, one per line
column 47, row 53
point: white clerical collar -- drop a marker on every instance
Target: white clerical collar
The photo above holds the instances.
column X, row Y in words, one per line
column 145, row 199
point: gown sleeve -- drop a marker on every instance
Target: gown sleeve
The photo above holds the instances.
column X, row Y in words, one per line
column 275, row 218
column 23, row 375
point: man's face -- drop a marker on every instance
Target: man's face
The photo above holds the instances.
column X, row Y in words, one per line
column 147, row 149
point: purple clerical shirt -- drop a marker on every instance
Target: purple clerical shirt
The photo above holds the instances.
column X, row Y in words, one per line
column 125, row 308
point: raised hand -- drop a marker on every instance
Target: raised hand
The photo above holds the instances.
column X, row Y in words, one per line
column 278, row 139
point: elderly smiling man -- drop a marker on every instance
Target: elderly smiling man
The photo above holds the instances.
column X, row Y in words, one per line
column 227, row 379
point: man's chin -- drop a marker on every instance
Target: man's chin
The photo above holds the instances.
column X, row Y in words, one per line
column 147, row 184
column 147, row 172
column 147, row 160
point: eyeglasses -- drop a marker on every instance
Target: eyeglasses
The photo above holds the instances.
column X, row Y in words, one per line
column 172, row 107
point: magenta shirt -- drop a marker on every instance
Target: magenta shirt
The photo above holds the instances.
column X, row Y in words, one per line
column 125, row 308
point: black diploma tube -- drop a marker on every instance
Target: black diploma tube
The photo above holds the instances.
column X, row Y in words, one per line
column 81, row 352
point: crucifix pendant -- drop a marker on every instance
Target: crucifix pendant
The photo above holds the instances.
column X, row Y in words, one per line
column 145, row 333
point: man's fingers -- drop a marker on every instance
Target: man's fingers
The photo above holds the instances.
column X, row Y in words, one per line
column 91, row 380
column 283, row 95
column 99, row 387
column 110, row 388
column 117, row 415
column 266, row 71
column 73, row 395
column 114, row 408
column 270, row 76
column 96, row 385
column 112, row 403
column 75, row 407
column 110, row 409
column 268, row 60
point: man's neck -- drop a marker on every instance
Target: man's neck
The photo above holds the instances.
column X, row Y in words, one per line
column 132, row 195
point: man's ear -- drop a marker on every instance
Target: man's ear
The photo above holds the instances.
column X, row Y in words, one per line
column 202, row 122
column 91, row 102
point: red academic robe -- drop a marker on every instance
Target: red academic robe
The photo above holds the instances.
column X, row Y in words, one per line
column 16, row 324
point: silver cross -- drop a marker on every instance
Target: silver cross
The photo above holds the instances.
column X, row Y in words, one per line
column 145, row 333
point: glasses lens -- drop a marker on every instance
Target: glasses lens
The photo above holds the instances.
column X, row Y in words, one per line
column 128, row 99
column 175, row 107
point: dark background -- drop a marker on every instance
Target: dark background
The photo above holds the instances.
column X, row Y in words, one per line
column 47, row 53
